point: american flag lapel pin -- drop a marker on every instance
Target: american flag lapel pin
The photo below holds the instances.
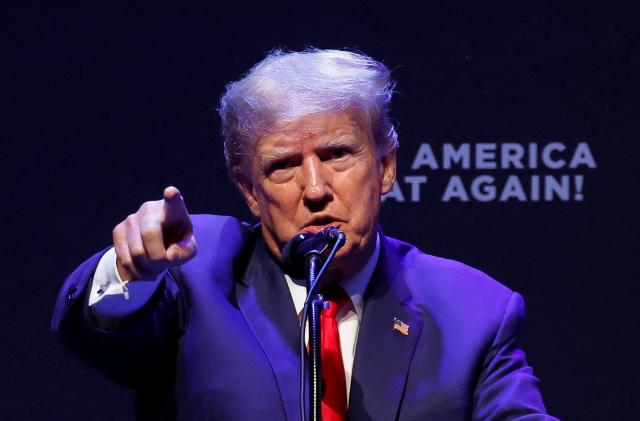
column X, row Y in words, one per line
column 400, row 326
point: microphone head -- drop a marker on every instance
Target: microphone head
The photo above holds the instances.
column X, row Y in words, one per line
column 305, row 244
column 336, row 235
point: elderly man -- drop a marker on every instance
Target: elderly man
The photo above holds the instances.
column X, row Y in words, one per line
column 214, row 334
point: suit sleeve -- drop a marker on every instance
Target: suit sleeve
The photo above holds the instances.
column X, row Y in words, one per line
column 507, row 388
column 136, row 348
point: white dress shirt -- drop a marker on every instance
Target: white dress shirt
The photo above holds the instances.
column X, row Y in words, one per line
column 107, row 281
column 349, row 315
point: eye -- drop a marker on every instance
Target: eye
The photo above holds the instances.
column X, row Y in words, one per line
column 278, row 165
column 281, row 165
column 337, row 153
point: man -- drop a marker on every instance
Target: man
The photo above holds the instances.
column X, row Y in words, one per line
column 214, row 334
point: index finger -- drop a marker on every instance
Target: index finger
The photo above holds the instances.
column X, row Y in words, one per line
column 174, row 209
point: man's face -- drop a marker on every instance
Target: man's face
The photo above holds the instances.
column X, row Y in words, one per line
column 317, row 171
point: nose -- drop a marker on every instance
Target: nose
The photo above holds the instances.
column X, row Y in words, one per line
column 316, row 181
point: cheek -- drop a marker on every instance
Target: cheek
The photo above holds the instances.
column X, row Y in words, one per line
column 278, row 204
column 363, row 200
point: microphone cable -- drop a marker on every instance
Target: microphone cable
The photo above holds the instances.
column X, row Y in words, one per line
column 303, row 348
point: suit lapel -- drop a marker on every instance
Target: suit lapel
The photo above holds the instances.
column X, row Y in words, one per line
column 383, row 355
column 265, row 301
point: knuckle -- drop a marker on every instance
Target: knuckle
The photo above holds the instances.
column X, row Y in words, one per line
column 137, row 253
column 150, row 232
column 149, row 206
column 127, row 263
column 149, row 211
column 120, row 249
column 117, row 232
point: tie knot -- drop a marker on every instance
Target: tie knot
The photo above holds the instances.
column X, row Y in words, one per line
column 335, row 297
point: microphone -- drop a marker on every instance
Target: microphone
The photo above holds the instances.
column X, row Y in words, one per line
column 303, row 258
column 303, row 245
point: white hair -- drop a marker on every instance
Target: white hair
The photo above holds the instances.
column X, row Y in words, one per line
column 288, row 85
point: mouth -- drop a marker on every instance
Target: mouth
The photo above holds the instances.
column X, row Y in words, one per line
column 316, row 225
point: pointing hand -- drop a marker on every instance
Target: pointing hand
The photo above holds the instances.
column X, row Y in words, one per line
column 157, row 236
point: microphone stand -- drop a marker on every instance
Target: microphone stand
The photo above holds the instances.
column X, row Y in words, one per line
column 312, row 266
column 312, row 249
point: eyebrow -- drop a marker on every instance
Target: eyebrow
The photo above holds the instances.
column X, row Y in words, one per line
column 342, row 140
column 276, row 154
column 268, row 158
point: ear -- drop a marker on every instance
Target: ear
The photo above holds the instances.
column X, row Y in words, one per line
column 245, row 185
column 388, row 173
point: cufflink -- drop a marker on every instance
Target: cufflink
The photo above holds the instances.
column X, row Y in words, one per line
column 103, row 287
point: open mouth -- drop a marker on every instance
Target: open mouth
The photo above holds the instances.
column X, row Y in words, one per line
column 318, row 224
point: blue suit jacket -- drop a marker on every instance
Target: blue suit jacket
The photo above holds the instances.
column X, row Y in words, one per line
column 217, row 338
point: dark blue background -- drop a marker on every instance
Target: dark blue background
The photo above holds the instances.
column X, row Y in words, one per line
column 103, row 107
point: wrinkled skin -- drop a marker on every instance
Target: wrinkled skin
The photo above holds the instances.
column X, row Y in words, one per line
column 317, row 171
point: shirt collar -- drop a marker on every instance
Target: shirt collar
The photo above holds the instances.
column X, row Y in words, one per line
column 355, row 287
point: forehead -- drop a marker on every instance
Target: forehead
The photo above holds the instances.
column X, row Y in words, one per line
column 315, row 127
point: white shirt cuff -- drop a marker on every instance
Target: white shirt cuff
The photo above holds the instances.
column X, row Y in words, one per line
column 106, row 280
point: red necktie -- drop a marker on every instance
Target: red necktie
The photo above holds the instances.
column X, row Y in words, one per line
column 334, row 399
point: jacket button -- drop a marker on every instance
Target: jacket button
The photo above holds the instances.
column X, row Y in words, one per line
column 72, row 291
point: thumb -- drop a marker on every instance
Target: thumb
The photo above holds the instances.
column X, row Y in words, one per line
column 182, row 251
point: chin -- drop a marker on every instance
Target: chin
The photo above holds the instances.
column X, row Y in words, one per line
column 348, row 260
